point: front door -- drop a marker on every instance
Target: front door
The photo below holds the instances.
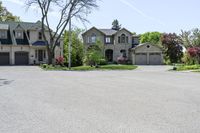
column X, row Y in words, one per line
column 40, row 55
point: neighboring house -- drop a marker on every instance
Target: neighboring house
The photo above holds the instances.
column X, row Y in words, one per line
column 21, row 43
column 123, row 43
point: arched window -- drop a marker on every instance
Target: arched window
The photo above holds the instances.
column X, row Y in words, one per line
column 93, row 38
column 123, row 38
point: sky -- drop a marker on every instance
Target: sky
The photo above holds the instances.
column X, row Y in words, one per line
column 135, row 15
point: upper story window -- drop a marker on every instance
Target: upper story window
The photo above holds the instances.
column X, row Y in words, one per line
column 40, row 35
column 93, row 38
column 119, row 39
column 108, row 40
column 123, row 37
column 88, row 39
column 19, row 34
column 126, row 39
column 3, row 34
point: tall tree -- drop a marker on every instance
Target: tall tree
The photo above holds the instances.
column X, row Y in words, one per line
column 77, row 48
column 67, row 10
column 5, row 15
column 94, row 54
column 151, row 37
column 172, row 45
column 191, row 38
column 116, row 25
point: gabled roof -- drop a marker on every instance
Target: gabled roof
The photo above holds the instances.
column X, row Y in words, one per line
column 4, row 26
column 107, row 32
column 143, row 44
column 24, row 25
column 125, row 30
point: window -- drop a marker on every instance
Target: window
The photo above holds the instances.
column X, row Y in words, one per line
column 123, row 52
column 19, row 34
column 88, row 39
column 93, row 38
column 108, row 40
column 127, row 39
column 123, row 38
column 40, row 35
column 119, row 39
column 3, row 34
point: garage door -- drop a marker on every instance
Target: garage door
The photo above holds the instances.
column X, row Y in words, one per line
column 155, row 59
column 4, row 59
column 141, row 59
column 21, row 58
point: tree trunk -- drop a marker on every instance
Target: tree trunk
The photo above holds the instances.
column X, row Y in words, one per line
column 50, row 56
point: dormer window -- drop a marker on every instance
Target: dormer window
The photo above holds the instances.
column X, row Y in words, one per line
column 93, row 38
column 19, row 34
column 3, row 34
column 40, row 35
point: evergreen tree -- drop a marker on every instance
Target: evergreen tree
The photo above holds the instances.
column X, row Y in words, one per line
column 116, row 25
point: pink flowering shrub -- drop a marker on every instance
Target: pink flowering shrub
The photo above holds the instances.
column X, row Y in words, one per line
column 122, row 60
column 194, row 53
column 60, row 61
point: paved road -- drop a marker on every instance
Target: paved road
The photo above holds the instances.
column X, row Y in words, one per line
column 147, row 100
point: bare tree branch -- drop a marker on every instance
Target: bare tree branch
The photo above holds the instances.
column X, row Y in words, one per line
column 68, row 9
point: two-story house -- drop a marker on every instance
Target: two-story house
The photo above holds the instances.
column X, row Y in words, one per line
column 118, row 43
column 21, row 43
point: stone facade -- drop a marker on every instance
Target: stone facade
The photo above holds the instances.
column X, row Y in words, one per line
column 116, row 43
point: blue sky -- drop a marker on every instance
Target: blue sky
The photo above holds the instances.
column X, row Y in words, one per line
column 136, row 15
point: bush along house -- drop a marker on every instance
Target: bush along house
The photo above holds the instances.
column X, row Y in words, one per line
column 121, row 45
column 21, row 43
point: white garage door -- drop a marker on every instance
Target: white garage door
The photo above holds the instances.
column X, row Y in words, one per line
column 155, row 59
column 141, row 59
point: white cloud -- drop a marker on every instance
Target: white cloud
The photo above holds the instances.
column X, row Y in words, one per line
column 132, row 6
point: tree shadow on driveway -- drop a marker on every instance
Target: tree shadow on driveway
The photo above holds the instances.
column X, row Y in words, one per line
column 5, row 82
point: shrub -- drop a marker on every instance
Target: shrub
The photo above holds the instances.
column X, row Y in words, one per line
column 44, row 65
column 103, row 62
column 194, row 53
column 122, row 60
column 188, row 60
column 60, row 61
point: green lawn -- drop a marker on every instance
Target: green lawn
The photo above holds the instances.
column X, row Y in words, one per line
column 89, row 68
column 188, row 67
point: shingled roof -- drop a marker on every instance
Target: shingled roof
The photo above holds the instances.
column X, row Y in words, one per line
column 24, row 25
column 108, row 32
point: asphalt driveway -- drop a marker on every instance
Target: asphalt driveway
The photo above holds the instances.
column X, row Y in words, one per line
column 147, row 100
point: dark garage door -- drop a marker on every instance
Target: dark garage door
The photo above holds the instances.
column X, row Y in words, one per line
column 21, row 58
column 4, row 59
